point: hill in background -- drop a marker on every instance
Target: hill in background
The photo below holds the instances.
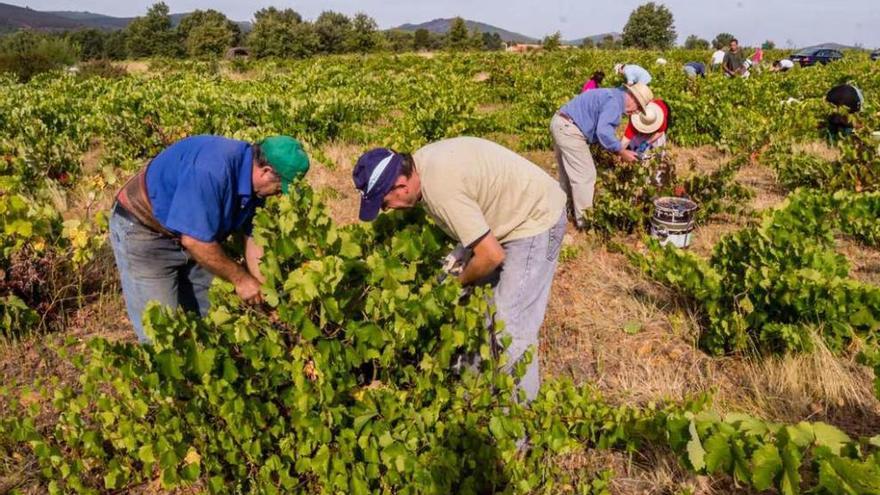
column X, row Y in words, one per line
column 91, row 19
column 441, row 26
column 13, row 17
column 831, row 46
column 597, row 38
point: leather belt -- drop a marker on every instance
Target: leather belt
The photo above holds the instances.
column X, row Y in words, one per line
column 122, row 212
column 133, row 200
column 565, row 116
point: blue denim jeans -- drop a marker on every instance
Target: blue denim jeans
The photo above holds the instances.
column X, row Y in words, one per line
column 521, row 288
column 522, row 293
column 155, row 268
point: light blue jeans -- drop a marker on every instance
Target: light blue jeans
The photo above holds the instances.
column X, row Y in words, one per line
column 522, row 289
column 153, row 267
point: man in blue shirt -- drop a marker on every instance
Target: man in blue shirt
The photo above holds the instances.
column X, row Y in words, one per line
column 694, row 69
column 169, row 220
column 633, row 74
column 592, row 117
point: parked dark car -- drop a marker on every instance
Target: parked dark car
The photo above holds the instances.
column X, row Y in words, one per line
column 875, row 55
column 815, row 56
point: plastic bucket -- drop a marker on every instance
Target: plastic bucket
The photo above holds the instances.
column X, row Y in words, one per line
column 678, row 237
column 673, row 221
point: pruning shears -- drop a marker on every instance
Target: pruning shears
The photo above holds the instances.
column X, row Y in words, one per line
column 453, row 264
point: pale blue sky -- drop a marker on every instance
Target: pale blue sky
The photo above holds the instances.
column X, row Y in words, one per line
column 788, row 23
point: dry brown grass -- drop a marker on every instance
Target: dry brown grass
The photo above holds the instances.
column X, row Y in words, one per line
column 817, row 148
column 707, row 235
column 228, row 72
column 32, row 357
column 334, row 183
column 91, row 160
column 864, row 261
column 597, row 297
column 768, row 192
column 703, row 159
column 544, row 159
column 481, row 77
column 647, row 471
column 810, row 386
column 136, row 66
column 489, row 108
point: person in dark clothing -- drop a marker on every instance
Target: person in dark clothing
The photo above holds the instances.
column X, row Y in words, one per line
column 843, row 95
column 734, row 60
column 694, row 69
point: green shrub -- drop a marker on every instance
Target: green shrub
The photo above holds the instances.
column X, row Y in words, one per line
column 27, row 54
column 101, row 68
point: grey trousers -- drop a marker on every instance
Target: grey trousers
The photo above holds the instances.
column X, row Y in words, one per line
column 577, row 171
column 522, row 289
column 155, row 268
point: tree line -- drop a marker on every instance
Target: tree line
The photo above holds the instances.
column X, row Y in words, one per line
column 275, row 32
column 283, row 33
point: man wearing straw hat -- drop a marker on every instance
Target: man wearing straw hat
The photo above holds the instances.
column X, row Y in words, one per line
column 647, row 131
column 590, row 118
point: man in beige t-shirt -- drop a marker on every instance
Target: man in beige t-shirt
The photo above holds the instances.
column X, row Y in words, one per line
column 504, row 208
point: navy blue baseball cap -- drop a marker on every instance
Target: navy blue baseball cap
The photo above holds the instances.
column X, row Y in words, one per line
column 374, row 175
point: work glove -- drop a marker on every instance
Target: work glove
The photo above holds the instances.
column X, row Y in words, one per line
column 454, row 262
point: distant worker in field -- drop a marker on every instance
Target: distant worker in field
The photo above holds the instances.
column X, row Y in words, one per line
column 757, row 57
column 169, row 220
column 594, row 82
column 647, row 131
column 847, row 96
column 495, row 203
column 633, row 74
column 694, row 69
column 717, row 59
column 733, row 60
column 783, row 65
column 589, row 118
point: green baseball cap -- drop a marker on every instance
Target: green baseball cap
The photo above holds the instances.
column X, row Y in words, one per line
column 287, row 157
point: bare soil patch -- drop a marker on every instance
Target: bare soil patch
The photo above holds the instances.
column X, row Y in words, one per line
column 136, row 66
column 817, row 148
column 864, row 261
column 335, row 184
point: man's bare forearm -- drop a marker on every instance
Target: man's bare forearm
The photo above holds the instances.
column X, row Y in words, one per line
column 211, row 256
column 253, row 253
column 488, row 255
column 479, row 267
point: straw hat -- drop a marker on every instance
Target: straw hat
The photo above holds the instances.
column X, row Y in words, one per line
column 642, row 94
column 650, row 121
column 617, row 68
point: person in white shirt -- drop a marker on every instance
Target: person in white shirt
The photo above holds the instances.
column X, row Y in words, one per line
column 717, row 59
column 782, row 65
